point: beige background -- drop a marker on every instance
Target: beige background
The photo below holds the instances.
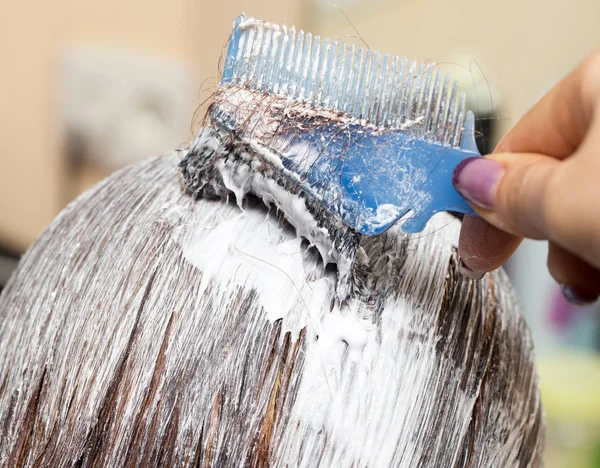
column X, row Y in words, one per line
column 33, row 35
column 522, row 47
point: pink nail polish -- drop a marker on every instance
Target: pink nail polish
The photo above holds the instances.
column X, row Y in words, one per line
column 574, row 297
column 476, row 179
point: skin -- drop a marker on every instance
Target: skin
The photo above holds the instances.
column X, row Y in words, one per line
column 550, row 189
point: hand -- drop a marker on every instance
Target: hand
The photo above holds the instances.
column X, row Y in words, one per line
column 542, row 182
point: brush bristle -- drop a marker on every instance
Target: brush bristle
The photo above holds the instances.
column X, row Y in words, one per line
column 386, row 91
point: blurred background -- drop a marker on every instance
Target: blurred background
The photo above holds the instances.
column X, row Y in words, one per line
column 89, row 87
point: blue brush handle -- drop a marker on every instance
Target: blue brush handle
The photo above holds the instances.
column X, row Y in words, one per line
column 371, row 180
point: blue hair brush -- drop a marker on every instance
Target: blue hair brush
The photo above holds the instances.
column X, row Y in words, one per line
column 371, row 137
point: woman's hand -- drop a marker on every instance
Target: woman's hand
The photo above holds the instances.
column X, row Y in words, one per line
column 542, row 182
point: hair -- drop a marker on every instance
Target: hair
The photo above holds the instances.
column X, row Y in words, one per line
column 146, row 327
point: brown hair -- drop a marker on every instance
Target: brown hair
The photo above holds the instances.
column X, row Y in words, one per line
column 116, row 349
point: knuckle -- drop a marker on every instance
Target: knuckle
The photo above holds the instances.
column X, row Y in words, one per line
column 523, row 198
column 557, row 205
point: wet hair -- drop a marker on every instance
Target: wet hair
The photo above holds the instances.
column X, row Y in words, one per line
column 143, row 329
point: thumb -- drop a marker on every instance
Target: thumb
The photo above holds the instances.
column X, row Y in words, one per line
column 512, row 191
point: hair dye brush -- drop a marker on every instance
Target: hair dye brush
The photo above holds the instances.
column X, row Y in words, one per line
column 371, row 138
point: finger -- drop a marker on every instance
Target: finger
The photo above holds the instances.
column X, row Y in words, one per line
column 558, row 123
column 556, row 127
column 483, row 247
column 580, row 281
column 539, row 197
column 510, row 191
column 572, row 209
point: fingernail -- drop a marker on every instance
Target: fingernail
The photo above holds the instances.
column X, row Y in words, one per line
column 574, row 297
column 476, row 179
column 466, row 271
